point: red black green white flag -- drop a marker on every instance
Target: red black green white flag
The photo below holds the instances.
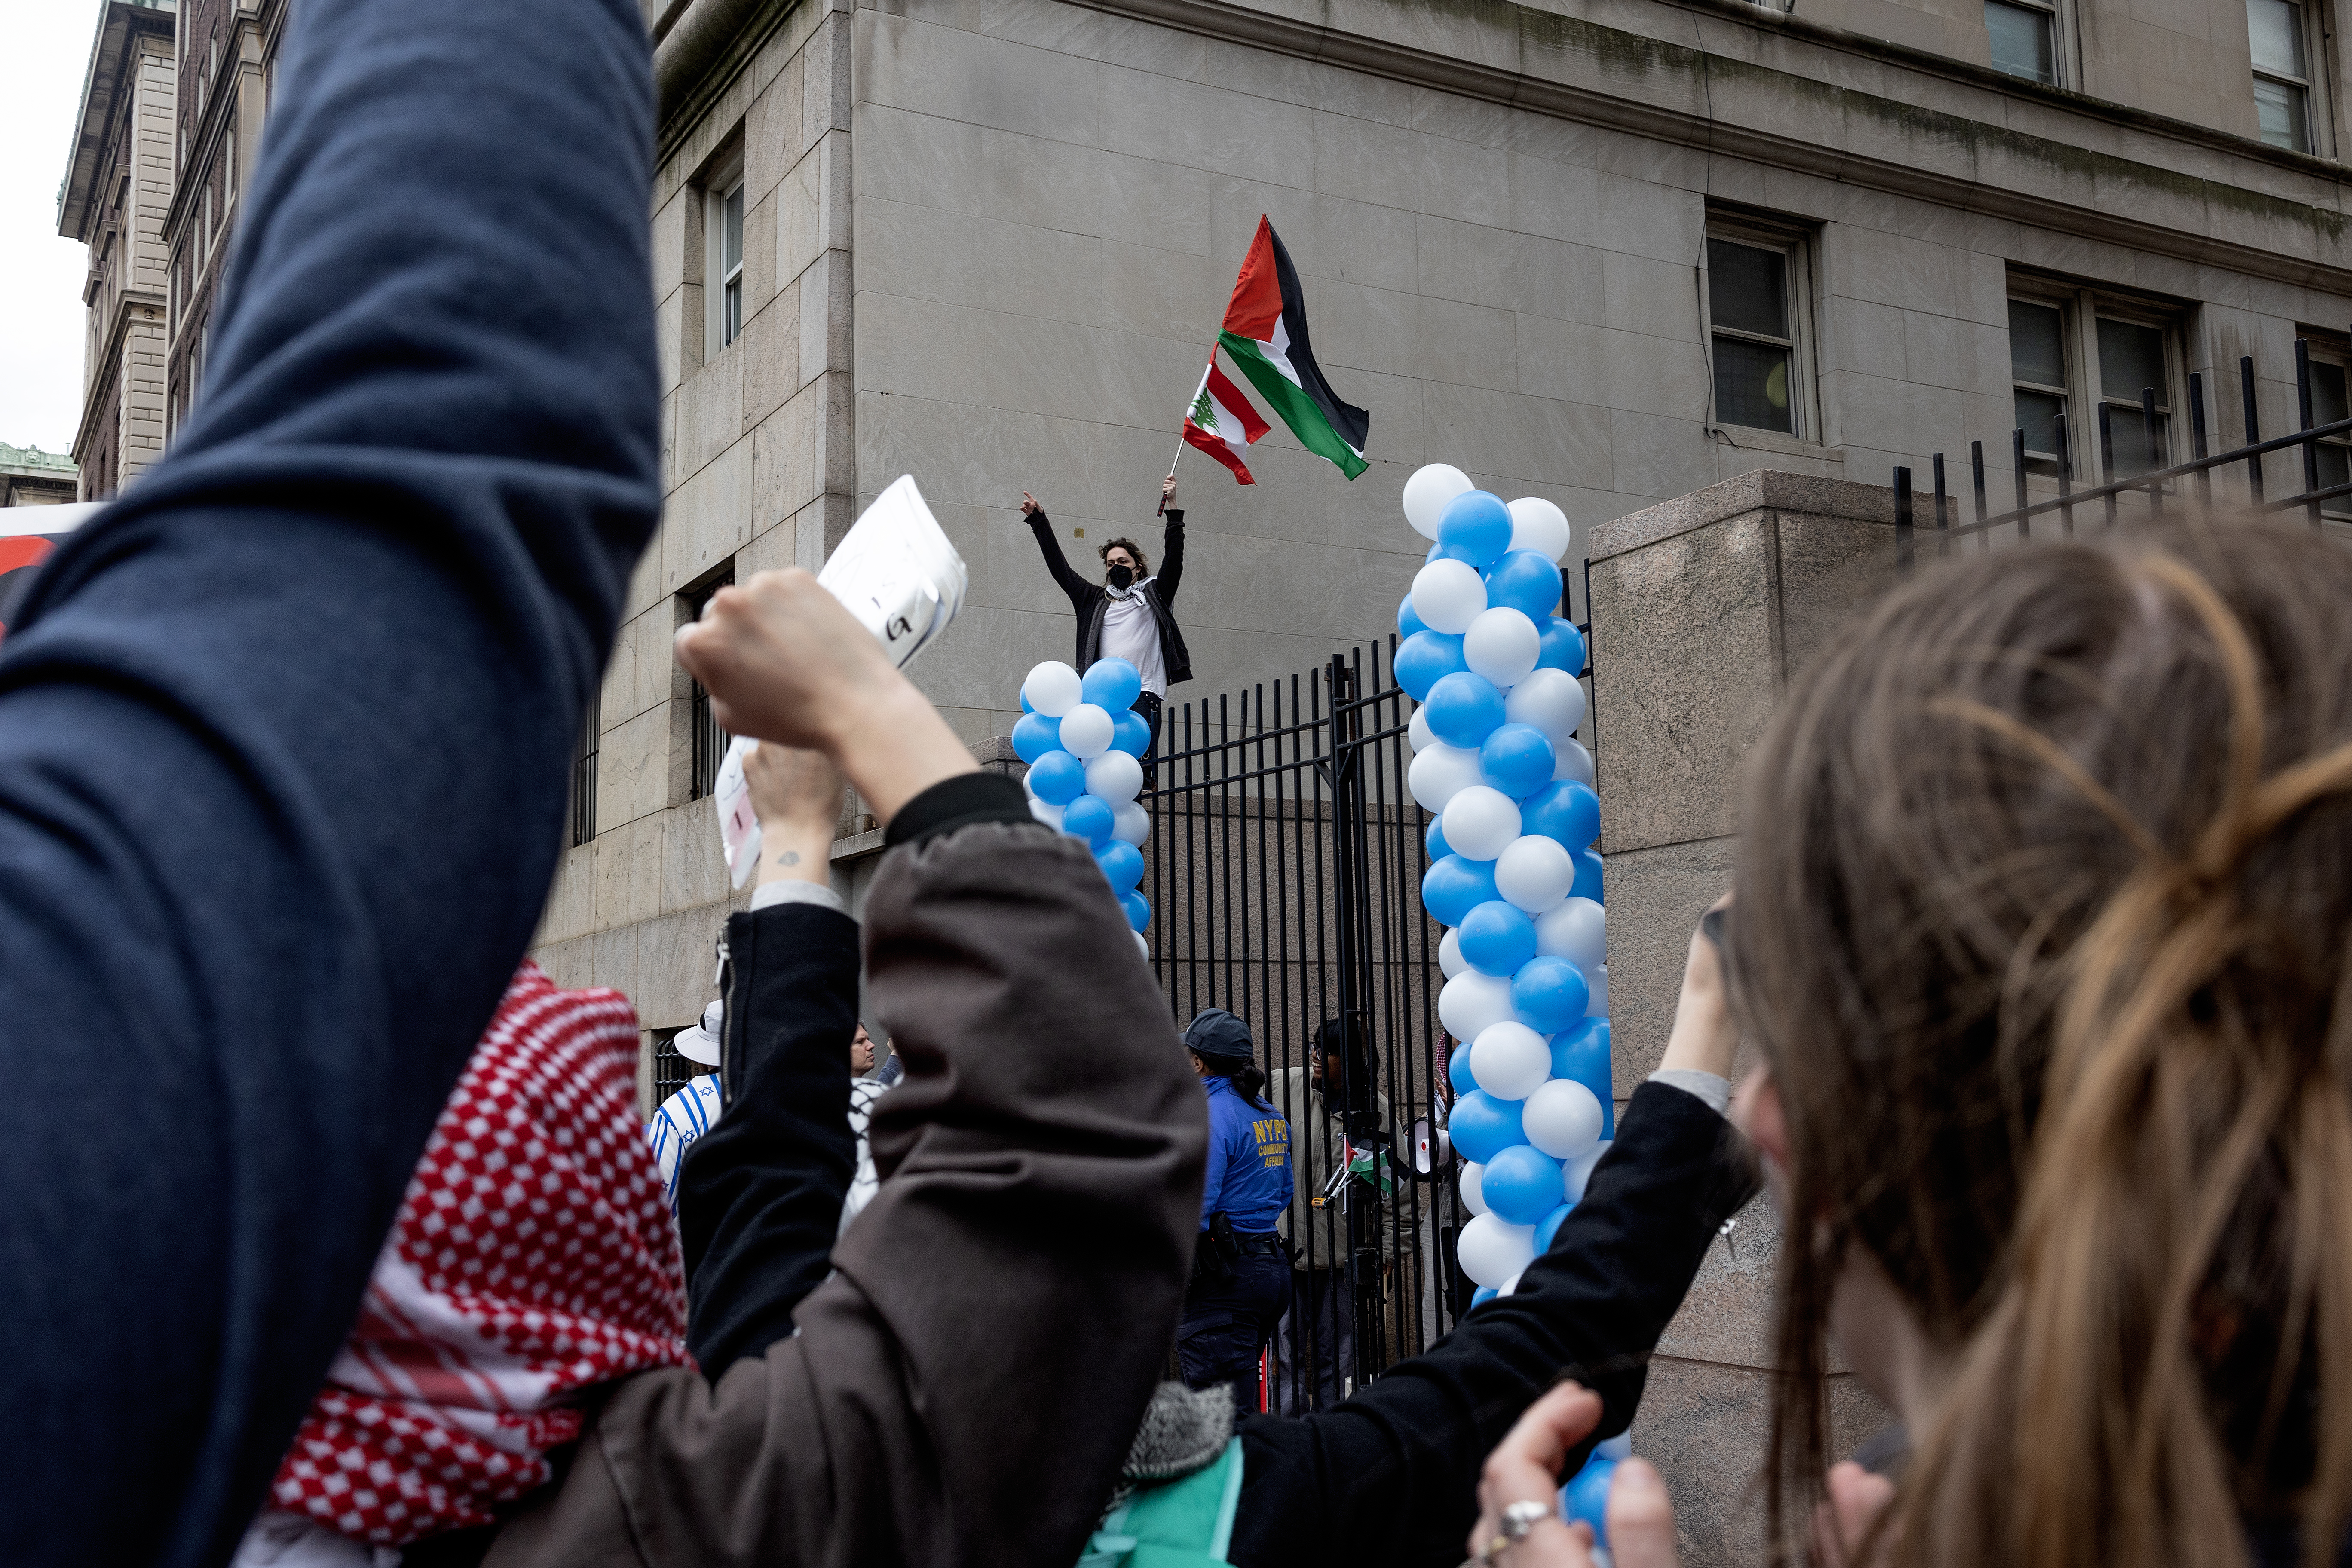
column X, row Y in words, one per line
column 1266, row 331
column 1222, row 423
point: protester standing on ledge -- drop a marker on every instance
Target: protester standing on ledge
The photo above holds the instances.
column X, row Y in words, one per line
column 1131, row 613
column 1241, row 1279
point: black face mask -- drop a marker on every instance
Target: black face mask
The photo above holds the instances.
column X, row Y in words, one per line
column 1121, row 576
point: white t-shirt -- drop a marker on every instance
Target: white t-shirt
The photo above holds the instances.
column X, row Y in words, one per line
column 1131, row 633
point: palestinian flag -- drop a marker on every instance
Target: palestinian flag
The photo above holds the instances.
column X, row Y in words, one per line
column 1222, row 423
column 1266, row 331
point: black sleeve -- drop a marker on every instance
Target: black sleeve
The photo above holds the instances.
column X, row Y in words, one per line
column 1069, row 581
column 1172, row 558
column 759, row 1202
column 953, row 802
column 1392, row 1474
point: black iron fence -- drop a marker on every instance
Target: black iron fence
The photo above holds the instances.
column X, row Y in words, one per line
column 1284, row 870
column 2324, row 446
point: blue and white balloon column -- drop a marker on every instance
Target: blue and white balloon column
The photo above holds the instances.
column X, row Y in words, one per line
column 1513, row 873
column 1082, row 740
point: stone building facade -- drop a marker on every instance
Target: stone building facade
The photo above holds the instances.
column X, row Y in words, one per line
column 117, row 186
column 30, row 477
column 226, row 52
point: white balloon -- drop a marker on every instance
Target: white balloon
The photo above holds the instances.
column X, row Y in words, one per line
column 1432, row 485
column 1441, row 772
column 1621, row 1447
column 1508, row 1286
column 1141, row 946
column 1576, row 930
column 1465, row 1182
column 1087, row 731
column 1597, row 980
column 1113, row 775
column 1127, row 820
column 1026, row 787
column 1053, row 688
column 1535, row 873
column 1481, row 820
column 1490, row 1251
column 1472, row 1002
column 1562, row 1118
column 1570, row 760
column 1502, row 644
column 1539, row 526
column 1447, row 594
column 1550, row 699
column 1417, row 733
column 1576, row 1173
column 1045, row 812
column 1508, row 1060
column 1450, row 961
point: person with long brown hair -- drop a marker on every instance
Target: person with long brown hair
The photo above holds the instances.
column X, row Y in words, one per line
column 2041, row 940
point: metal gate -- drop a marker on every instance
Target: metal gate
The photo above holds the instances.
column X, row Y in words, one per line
column 1284, row 870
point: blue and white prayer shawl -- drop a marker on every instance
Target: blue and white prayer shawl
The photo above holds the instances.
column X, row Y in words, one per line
column 683, row 1117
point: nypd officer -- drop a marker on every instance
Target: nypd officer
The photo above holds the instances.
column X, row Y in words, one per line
column 1241, row 1278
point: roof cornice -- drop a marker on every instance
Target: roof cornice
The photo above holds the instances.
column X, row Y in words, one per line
column 120, row 24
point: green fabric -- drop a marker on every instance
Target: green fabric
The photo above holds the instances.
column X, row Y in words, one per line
column 1292, row 405
column 1183, row 1524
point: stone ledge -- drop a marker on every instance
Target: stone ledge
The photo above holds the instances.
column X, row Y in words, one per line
column 994, row 754
column 1759, row 489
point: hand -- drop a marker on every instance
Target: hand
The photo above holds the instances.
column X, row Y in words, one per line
column 797, row 796
column 1704, row 1038
column 1525, row 1466
column 1028, row 503
column 1167, row 490
column 784, row 661
column 1843, row 1523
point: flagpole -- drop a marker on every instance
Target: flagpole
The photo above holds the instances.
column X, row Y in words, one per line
column 1171, row 472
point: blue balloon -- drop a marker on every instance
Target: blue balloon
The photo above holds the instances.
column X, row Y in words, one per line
column 1525, row 582
column 1476, row 528
column 1550, row 994
column 1521, row 1184
column 1089, row 818
column 1435, row 839
column 1588, row 877
column 1497, row 939
column 1483, row 1127
column 1580, row 1054
column 1515, row 759
column 1057, row 778
column 1436, row 552
column 1035, row 735
column 1138, row 909
column 1121, row 862
column 1586, row 1497
column 1408, row 622
column 1130, row 732
column 1111, row 684
column 1564, row 810
column 1457, row 1070
column 1548, row 1227
column 1563, row 647
column 1025, row 706
column 1424, row 658
column 1480, row 1295
column 1454, row 887
column 1464, row 709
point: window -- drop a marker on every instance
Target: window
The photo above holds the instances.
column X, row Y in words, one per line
column 722, row 209
column 2074, row 351
column 672, row 1071
column 2329, row 403
column 2274, row 36
column 2024, row 37
column 1758, row 303
column 709, row 740
column 583, row 773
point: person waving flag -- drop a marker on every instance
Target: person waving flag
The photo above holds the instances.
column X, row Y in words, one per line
column 1222, row 423
column 1265, row 333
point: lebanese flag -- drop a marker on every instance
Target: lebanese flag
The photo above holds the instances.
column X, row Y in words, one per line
column 1222, row 423
column 1266, row 331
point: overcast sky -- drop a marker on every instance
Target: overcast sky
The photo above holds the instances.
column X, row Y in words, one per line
column 46, row 44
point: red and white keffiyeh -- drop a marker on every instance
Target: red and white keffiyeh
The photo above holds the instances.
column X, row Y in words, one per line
column 533, row 1256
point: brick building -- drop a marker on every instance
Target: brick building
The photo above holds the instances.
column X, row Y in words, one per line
column 116, row 188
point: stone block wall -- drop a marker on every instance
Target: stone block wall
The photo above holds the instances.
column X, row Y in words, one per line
column 1702, row 607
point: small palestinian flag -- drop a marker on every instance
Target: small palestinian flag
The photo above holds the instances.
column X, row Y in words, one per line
column 1266, row 331
column 1222, row 423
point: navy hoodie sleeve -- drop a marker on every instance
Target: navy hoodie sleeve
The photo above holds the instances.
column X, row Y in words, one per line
column 283, row 746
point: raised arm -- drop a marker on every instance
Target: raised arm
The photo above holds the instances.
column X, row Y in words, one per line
column 1069, row 581
column 1171, row 556
column 284, row 740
